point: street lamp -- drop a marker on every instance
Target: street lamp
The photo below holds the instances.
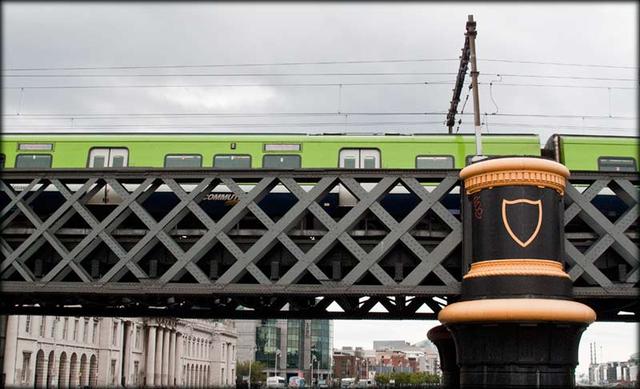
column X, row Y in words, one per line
column 313, row 360
column 275, row 368
column 251, row 350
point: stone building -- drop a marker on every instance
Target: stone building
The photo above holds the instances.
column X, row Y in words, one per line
column 56, row 351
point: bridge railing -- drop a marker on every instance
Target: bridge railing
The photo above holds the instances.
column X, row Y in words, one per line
column 304, row 243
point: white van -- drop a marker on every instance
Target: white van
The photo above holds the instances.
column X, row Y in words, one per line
column 347, row 382
column 276, row 382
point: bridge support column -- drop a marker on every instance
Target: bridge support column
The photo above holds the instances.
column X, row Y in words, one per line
column 441, row 337
column 516, row 324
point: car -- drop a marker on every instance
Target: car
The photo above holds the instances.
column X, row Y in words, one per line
column 276, row 382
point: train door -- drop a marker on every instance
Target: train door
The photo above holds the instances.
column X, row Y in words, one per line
column 111, row 157
column 360, row 159
column 356, row 159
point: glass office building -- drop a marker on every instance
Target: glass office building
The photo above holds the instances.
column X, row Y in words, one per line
column 301, row 343
column 322, row 343
column 267, row 342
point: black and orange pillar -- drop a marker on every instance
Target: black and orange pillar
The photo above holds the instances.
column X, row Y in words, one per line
column 516, row 323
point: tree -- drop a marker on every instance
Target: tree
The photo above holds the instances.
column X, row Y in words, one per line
column 257, row 371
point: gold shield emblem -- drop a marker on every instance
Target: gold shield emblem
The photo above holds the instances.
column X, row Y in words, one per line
column 505, row 221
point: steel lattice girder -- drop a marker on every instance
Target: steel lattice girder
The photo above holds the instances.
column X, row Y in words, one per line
column 593, row 250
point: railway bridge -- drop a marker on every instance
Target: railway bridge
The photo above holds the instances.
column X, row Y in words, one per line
column 374, row 244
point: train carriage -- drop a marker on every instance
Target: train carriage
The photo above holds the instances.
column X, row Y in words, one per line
column 237, row 153
column 295, row 151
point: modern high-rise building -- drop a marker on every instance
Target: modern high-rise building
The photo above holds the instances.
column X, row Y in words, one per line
column 57, row 351
column 288, row 347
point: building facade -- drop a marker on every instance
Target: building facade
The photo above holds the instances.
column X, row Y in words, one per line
column 288, row 347
column 56, row 351
column 392, row 356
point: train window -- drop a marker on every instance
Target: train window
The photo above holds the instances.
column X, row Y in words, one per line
column 108, row 157
column 2, row 158
column 469, row 159
column 434, row 162
column 617, row 164
column 350, row 162
column 38, row 161
column 281, row 162
column 232, row 161
column 183, row 161
column 369, row 162
column 360, row 159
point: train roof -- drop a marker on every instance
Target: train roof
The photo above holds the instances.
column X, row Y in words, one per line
column 260, row 137
column 356, row 134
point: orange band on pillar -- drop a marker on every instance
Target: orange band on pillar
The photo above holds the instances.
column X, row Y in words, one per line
column 516, row 267
column 509, row 310
column 514, row 171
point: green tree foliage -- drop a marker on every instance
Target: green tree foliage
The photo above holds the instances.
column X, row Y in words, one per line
column 257, row 371
column 417, row 378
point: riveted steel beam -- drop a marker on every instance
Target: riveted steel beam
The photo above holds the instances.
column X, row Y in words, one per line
column 601, row 247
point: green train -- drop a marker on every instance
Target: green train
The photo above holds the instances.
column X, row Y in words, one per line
column 294, row 151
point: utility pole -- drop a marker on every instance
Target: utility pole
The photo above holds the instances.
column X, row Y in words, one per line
column 462, row 71
column 471, row 34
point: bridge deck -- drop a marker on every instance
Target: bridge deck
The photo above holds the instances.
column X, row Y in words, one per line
column 260, row 243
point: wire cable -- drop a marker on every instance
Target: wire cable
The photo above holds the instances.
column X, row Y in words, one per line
column 104, row 116
column 309, row 124
column 311, row 85
column 563, row 86
column 335, row 62
column 229, row 74
column 464, row 105
column 233, row 65
column 308, row 75
column 287, row 84
column 232, row 125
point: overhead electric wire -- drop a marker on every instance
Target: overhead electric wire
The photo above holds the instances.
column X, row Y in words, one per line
column 336, row 62
column 230, row 74
column 293, row 84
column 103, row 116
column 583, row 65
column 234, row 65
column 562, row 86
column 233, row 125
column 309, row 124
column 310, row 75
column 221, row 114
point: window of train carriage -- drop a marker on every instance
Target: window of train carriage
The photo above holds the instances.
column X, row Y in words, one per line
column 232, row 161
column 435, row 162
column 281, row 162
column 183, row 160
column 468, row 159
column 34, row 161
column 617, row 164
column 2, row 159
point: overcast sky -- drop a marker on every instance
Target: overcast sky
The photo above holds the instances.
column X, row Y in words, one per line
column 38, row 35
column 51, row 36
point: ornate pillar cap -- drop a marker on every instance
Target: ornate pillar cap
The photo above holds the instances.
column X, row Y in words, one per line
column 514, row 171
column 517, row 310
